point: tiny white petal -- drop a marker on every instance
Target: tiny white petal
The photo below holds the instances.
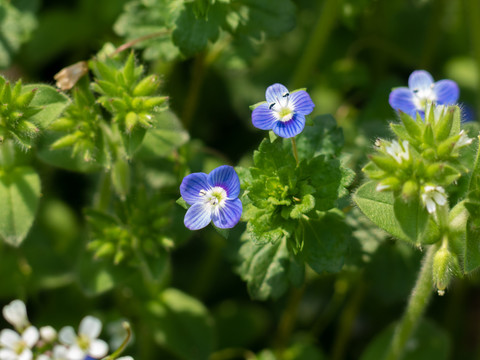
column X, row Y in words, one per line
column 125, row 358
column 30, row 336
column 26, row 355
column 16, row 313
column 381, row 187
column 48, row 333
column 430, row 206
column 43, row 357
column 9, row 338
column 440, row 199
column 67, row 335
column 90, row 326
column 75, row 353
column 7, row 354
column 60, row 352
column 98, row 349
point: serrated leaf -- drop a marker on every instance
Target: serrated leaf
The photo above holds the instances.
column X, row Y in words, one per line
column 323, row 138
column 51, row 101
column 20, row 195
column 182, row 325
column 267, row 268
column 325, row 243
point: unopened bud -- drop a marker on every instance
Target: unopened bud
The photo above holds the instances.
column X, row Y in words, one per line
column 445, row 264
column 146, row 86
column 48, row 334
column 410, row 190
column 388, row 184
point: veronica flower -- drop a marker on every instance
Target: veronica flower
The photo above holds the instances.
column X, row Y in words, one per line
column 16, row 346
column 284, row 112
column 86, row 343
column 214, row 197
column 421, row 91
column 433, row 196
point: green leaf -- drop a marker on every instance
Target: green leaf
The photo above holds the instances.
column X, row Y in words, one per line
column 325, row 243
column 429, row 343
column 266, row 268
column 20, row 195
column 378, row 207
column 166, row 136
column 133, row 140
column 50, row 100
column 323, row 138
column 182, row 203
column 182, row 325
column 412, row 217
column 16, row 26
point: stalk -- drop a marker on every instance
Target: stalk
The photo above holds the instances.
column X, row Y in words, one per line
column 417, row 304
column 294, row 148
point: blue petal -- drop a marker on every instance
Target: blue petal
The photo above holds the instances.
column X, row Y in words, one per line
column 447, row 92
column 402, row 99
column 263, row 117
column 420, row 79
column 290, row 128
column 275, row 92
column 198, row 216
column 302, row 102
column 225, row 177
column 191, row 187
column 228, row 216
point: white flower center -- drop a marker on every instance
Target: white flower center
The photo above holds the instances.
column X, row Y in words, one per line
column 214, row 197
column 282, row 108
column 424, row 96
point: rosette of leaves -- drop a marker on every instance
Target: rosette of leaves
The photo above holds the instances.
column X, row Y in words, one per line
column 129, row 97
column 16, row 113
column 138, row 233
column 292, row 210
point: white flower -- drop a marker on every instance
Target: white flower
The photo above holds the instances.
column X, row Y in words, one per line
column 86, row 343
column 397, row 151
column 463, row 141
column 433, row 196
column 48, row 334
column 125, row 358
column 16, row 347
column 16, row 314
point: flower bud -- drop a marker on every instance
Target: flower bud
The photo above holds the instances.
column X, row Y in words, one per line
column 107, row 249
column 445, row 264
column 62, row 124
column 25, row 99
column 16, row 314
column 444, row 125
column 48, row 334
column 130, row 121
column 146, row 86
column 385, row 163
column 67, row 140
column 388, row 184
column 411, row 125
column 410, row 190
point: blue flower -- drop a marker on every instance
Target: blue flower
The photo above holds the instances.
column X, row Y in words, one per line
column 214, row 197
column 284, row 112
column 422, row 90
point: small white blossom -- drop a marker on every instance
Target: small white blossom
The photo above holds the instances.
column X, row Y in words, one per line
column 16, row 346
column 433, row 196
column 48, row 334
column 16, row 314
column 125, row 358
column 398, row 151
column 463, row 141
column 87, row 342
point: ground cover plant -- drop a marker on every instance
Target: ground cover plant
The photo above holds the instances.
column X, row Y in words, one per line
column 239, row 179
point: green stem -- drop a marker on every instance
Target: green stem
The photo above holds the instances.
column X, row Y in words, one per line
column 346, row 321
column 7, row 155
column 417, row 304
column 124, row 344
column 316, row 43
column 104, row 192
column 194, row 90
column 294, row 148
column 287, row 321
column 472, row 13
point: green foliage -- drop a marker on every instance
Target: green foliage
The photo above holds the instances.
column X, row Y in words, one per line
column 432, row 343
column 17, row 21
column 182, row 325
column 187, row 27
column 20, row 194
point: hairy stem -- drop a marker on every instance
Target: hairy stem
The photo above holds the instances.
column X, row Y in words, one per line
column 294, row 148
column 417, row 304
column 316, row 43
column 134, row 42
